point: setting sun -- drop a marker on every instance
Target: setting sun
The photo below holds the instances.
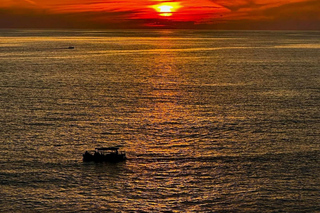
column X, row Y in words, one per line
column 193, row 14
column 166, row 9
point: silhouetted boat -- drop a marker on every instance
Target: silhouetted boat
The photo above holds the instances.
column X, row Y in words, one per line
column 107, row 154
column 71, row 47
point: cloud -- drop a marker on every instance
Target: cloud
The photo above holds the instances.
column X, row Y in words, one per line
column 17, row 4
column 30, row 2
column 251, row 7
column 209, row 14
column 239, row 5
column 298, row 10
column 301, row 15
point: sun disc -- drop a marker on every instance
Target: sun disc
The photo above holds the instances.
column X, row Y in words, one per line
column 165, row 14
column 167, row 8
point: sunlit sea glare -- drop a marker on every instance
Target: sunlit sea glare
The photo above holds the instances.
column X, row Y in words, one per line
column 212, row 121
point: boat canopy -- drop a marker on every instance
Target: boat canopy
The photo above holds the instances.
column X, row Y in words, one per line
column 113, row 148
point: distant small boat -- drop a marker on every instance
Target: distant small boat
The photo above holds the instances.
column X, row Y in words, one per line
column 71, row 47
column 105, row 154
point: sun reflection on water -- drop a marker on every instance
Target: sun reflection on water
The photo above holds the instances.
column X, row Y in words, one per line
column 163, row 114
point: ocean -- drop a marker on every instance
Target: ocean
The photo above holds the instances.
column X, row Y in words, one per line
column 211, row 121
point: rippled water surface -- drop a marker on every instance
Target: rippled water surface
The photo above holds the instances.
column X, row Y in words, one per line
column 211, row 121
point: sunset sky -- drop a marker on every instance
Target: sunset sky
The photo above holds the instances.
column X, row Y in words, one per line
column 194, row 14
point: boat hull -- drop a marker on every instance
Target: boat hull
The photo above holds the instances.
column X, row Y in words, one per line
column 97, row 157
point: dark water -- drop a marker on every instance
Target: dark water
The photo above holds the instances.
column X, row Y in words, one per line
column 211, row 121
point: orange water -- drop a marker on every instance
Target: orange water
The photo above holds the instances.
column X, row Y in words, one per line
column 212, row 121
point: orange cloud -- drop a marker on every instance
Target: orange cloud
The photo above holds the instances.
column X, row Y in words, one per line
column 210, row 14
column 269, row 14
